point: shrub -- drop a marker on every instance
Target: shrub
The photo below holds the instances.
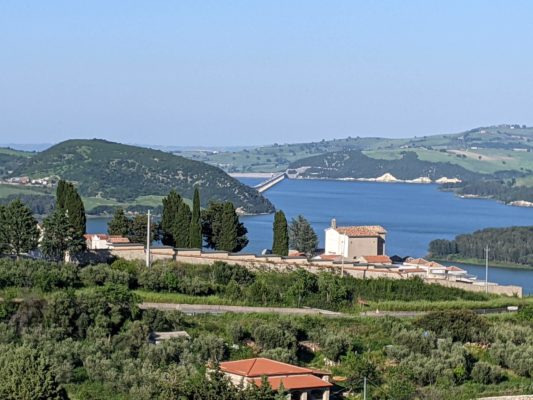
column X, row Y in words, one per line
column 459, row 325
column 486, row 373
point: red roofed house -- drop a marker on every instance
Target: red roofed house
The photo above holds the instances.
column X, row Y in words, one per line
column 301, row 383
column 355, row 241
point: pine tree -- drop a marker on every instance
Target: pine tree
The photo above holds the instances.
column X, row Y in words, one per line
column 228, row 232
column 195, row 230
column 213, row 226
column 60, row 237
column 19, row 228
column 280, row 244
column 138, row 227
column 171, row 205
column 120, row 224
column 302, row 237
column 182, row 225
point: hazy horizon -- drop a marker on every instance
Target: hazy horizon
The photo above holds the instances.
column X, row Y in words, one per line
column 212, row 74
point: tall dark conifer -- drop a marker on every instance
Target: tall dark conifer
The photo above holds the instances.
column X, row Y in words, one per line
column 195, row 230
column 69, row 200
column 181, row 226
column 228, row 232
column 280, row 245
column 171, row 205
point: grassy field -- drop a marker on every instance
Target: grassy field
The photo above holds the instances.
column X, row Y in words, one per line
column 89, row 202
column 421, row 305
column 491, row 161
column 6, row 190
column 478, row 261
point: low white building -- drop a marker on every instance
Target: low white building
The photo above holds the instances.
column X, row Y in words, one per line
column 352, row 242
column 102, row 241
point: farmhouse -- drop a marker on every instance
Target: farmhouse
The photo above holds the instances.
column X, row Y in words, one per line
column 352, row 242
column 301, row 383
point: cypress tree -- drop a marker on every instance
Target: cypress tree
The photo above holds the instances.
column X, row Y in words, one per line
column 120, row 224
column 19, row 228
column 195, row 230
column 171, row 205
column 76, row 210
column 69, row 200
column 280, row 244
column 181, row 226
column 228, row 231
column 60, row 194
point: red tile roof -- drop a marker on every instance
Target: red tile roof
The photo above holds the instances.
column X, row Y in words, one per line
column 454, row 268
column 295, row 382
column 361, row 231
column 254, row 367
column 377, row 259
column 118, row 239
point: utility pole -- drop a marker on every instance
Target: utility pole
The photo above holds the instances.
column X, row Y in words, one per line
column 486, row 269
column 364, row 388
column 148, row 239
column 343, row 246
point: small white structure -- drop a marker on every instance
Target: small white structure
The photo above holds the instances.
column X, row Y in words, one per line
column 102, row 241
column 352, row 242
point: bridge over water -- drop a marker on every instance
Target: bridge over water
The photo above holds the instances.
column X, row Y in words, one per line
column 264, row 186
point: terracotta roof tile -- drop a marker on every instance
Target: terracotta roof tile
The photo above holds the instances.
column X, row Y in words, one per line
column 378, row 259
column 253, row 367
column 294, row 382
column 361, row 231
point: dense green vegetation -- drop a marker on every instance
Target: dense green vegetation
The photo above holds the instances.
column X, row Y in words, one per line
column 124, row 173
column 512, row 245
column 18, row 229
column 354, row 164
column 502, row 190
column 79, row 334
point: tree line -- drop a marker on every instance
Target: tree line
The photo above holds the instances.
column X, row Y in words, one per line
column 216, row 227
column 507, row 245
column 62, row 231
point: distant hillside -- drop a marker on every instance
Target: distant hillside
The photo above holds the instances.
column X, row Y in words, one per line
column 11, row 159
column 124, row 173
column 355, row 164
column 484, row 149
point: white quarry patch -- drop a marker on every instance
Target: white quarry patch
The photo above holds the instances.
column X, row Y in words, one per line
column 448, row 180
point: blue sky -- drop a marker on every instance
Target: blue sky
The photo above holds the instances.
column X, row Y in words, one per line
column 254, row 72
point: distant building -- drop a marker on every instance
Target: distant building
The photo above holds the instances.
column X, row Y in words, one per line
column 301, row 383
column 102, row 241
column 158, row 337
column 352, row 242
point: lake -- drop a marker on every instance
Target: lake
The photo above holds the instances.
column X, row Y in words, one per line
column 412, row 214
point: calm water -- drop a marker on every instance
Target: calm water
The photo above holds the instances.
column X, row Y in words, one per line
column 412, row 214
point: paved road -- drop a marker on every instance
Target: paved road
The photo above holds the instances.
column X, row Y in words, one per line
column 214, row 309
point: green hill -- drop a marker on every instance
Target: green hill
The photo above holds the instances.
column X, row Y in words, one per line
column 483, row 150
column 11, row 159
column 355, row 164
column 111, row 173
